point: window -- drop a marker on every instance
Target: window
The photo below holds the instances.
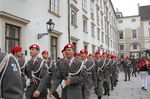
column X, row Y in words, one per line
column 84, row 5
column 54, row 6
column 74, row 18
column 120, row 21
column 93, row 30
column 134, row 46
column 93, row 49
column 92, row 10
column 97, row 16
column 102, row 35
column 53, row 47
column 121, row 34
column 133, row 20
column 12, row 37
column 134, row 33
column 85, row 29
column 121, row 47
column 75, row 45
column 98, row 34
column 86, row 47
column 102, row 20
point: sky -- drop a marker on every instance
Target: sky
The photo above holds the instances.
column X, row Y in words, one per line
column 129, row 7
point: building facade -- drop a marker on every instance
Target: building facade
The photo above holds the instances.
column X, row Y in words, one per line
column 88, row 24
column 134, row 34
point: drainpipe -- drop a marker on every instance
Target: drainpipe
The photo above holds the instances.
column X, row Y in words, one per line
column 69, row 21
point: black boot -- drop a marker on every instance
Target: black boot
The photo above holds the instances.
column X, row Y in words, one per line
column 99, row 97
column 56, row 95
column 105, row 91
column 108, row 92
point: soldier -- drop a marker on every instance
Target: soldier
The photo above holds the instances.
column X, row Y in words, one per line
column 90, row 57
column 51, row 69
column 22, row 63
column 134, row 66
column 70, row 75
column 10, row 75
column 78, row 55
column 99, row 67
column 114, row 68
column 36, row 71
column 90, row 69
column 107, row 74
column 127, row 68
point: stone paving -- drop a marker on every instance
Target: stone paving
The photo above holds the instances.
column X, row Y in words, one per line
column 127, row 90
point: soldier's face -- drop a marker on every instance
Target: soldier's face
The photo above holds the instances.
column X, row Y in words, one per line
column 97, row 56
column 83, row 56
column 69, row 52
column 78, row 57
column 18, row 54
column 34, row 52
column 45, row 56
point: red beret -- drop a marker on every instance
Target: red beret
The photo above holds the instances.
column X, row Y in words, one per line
column 69, row 46
column 16, row 48
column 35, row 46
column 84, row 51
column 78, row 54
column 109, row 55
column 101, row 55
column 46, row 52
column 90, row 54
column 104, row 53
column 97, row 52
column 62, row 50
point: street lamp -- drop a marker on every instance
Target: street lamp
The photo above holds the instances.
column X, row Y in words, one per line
column 50, row 26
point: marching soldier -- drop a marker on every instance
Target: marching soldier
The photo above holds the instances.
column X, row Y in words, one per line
column 99, row 66
column 10, row 75
column 21, row 61
column 70, row 75
column 78, row 55
column 90, row 69
column 51, row 69
column 36, row 71
column 107, row 74
column 134, row 66
column 127, row 68
column 114, row 68
column 90, row 57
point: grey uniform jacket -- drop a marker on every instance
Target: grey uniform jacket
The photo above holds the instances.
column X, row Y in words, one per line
column 42, row 74
column 11, row 85
column 73, row 91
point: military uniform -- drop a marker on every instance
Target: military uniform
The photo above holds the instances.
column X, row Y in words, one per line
column 113, row 78
column 21, row 62
column 73, row 71
column 107, row 74
column 36, row 71
column 134, row 67
column 88, row 83
column 99, row 65
column 52, row 76
column 10, row 78
column 127, row 67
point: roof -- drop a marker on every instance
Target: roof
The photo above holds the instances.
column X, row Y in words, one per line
column 144, row 12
